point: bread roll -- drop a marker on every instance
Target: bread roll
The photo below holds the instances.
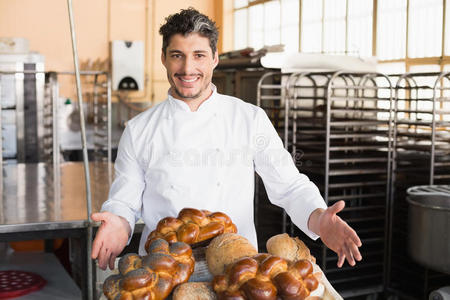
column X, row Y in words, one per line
column 194, row 291
column 225, row 249
column 191, row 226
column 152, row 276
column 292, row 249
column 266, row 277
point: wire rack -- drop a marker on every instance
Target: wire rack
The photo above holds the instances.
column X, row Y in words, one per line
column 102, row 167
column 421, row 152
column 96, row 86
column 271, row 96
column 339, row 132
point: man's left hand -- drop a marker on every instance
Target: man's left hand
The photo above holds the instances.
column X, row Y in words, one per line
column 336, row 234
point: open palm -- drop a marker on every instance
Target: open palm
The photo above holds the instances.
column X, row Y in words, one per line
column 337, row 235
column 111, row 238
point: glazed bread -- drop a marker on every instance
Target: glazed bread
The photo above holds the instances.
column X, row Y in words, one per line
column 152, row 276
column 266, row 277
column 291, row 249
column 226, row 249
column 191, row 226
column 194, row 291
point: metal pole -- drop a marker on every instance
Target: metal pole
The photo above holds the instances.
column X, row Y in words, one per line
column 109, row 85
column 85, row 153
column 54, row 88
column 1, row 153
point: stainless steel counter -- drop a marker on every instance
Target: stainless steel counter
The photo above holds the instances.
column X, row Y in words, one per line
column 59, row 284
column 29, row 202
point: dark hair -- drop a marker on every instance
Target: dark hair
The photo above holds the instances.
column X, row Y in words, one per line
column 189, row 21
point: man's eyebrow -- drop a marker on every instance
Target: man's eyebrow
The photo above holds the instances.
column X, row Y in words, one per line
column 175, row 51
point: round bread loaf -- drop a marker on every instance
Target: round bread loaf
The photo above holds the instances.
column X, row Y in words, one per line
column 194, row 291
column 292, row 249
column 226, row 249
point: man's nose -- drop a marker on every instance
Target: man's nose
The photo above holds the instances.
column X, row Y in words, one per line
column 189, row 66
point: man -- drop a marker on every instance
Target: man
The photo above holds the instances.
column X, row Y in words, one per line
column 200, row 149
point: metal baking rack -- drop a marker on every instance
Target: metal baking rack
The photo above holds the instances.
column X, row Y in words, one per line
column 421, row 152
column 271, row 95
column 50, row 168
column 96, row 87
column 46, row 106
column 339, row 131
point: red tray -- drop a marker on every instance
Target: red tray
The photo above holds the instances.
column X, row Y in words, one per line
column 18, row 283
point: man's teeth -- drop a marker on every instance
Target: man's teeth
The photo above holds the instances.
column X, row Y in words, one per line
column 188, row 80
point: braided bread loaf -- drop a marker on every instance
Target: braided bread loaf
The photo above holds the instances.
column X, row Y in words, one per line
column 266, row 277
column 152, row 276
column 192, row 226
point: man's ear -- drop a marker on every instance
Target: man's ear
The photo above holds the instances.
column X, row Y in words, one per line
column 216, row 59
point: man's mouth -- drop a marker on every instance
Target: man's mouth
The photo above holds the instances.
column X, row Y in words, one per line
column 188, row 78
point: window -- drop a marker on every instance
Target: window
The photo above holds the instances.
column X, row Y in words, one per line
column 408, row 33
column 334, row 33
column 266, row 23
column 391, row 37
column 447, row 28
column 312, row 26
column 360, row 20
column 337, row 26
column 425, row 28
column 289, row 24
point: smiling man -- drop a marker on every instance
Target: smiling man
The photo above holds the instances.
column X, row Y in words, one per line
column 190, row 64
column 200, row 149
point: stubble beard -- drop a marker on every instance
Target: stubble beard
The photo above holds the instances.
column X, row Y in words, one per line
column 187, row 96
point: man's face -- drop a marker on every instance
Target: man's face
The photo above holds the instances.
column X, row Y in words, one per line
column 189, row 62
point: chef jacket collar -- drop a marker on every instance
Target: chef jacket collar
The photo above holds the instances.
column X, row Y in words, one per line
column 210, row 105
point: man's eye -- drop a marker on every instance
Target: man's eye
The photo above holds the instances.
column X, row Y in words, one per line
column 176, row 55
column 200, row 55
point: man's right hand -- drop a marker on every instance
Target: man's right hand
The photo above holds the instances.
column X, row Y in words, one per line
column 111, row 238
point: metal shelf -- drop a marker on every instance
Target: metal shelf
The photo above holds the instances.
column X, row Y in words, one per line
column 344, row 140
column 421, row 149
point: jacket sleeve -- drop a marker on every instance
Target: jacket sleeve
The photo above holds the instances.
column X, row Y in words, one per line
column 125, row 195
column 285, row 185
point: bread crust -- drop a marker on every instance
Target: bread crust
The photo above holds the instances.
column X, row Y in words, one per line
column 292, row 249
column 194, row 291
column 225, row 249
column 191, row 226
column 152, row 276
column 266, row 277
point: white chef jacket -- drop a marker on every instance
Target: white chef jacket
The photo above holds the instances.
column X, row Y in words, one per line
column 170, row 158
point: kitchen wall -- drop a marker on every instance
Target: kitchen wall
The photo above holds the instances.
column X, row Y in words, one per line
column 45, row 24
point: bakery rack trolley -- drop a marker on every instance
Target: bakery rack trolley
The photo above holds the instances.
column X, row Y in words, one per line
column 339, row 128
column 47, row 146
column 271, row 94
column 32, row 205
column 421, row 152
column 96, row 86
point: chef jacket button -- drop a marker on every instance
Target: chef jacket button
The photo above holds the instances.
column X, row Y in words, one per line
column 171, row 186
column 218, row 183
column 215, row 114
column 217, row 149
